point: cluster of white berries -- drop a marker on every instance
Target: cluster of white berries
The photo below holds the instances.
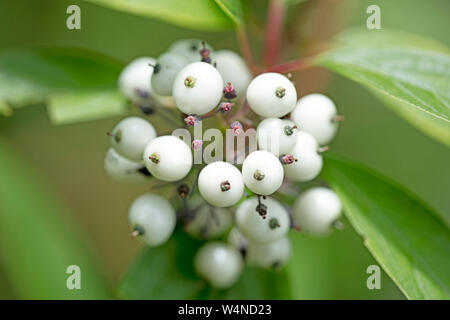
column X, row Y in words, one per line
column 225, row 201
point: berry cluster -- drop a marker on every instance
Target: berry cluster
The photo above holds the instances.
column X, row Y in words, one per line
column 192, row 82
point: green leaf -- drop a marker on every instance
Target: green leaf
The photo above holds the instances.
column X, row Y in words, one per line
column 64, row 108
column 412, row 71
column 195, row 14
column 402, row 233
column 78, row 84
column 38, row 241
column 167, row 272
column 233, row 8
column 30, row 75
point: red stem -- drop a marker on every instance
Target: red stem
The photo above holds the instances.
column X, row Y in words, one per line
column 246, row 50
column 274, row 27
column 294, row 65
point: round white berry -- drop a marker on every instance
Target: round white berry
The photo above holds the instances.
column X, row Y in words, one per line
column 209, row 222
column 316, row 209
column 274, row 225
column 262, row 172
column 219, row 264
column 315, row 113
column 152, row 219
column 168, row 158
column 271, row 95
column 233, row 69
column 134, row 80
column 197, row 88
column 273, row 254
column 308, row 162
column 221, row 184
column 166, row 68
column 189, row 48
column 130, row 136
column 276, row 135
column 124, row 170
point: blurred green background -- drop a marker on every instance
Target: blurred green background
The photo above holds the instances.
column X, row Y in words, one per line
column 70, row 158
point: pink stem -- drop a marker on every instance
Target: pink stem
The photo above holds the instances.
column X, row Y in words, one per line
column 246, row 50
column 294, row 65
column 274, row 27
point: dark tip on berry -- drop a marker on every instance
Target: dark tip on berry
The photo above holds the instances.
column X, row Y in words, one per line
column 144, row 171
column 262, row 210
column 156, row 68
column 147, row 110
column 183, row 191
column 280, row 92
column 204, row 52
column 289, row 130
column 117, row 135
column 137, row 231
column 225, row 186
column 258, row 175
column 274, row 223
column 276, row 265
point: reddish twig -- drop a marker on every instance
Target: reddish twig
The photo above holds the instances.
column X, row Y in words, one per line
column 294, row 65
column 246, row 50
column 274, row 27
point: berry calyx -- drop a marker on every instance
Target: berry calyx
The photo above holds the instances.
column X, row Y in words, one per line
column 237, row 128
column 289, row 130
column 225, row 107
column 229, row 92
column 280, row 92
column 258, row 175
column 189, row 81
column 154, row 157
column 225, row 186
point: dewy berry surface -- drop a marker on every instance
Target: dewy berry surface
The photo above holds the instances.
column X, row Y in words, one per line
column 197, row 88
column 221, row 184
column 168, row 158
column 316, row 114
column 316, row 209
column 130, row 136
column 271, row 95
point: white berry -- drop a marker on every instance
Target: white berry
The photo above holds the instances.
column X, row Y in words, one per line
column 189, row 48
column 130, row 136
column 233, row 69
column 219, row 264
column 315, row 113
column 152, row 219
column 134, row 80
column 221, row 184
column 273, row 254
column 316, row 209
column 308, row 162
column 166, row 69
column 168, row 158
column 237, row 240
column 197, row 88
column 262, row 172
column 276, row 135
column 124, row 170
column 209, row 222
column 271, row 95
column 256, row 228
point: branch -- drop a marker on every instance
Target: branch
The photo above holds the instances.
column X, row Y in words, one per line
column 246, row 50
column 274, row 27
column 294, row 65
